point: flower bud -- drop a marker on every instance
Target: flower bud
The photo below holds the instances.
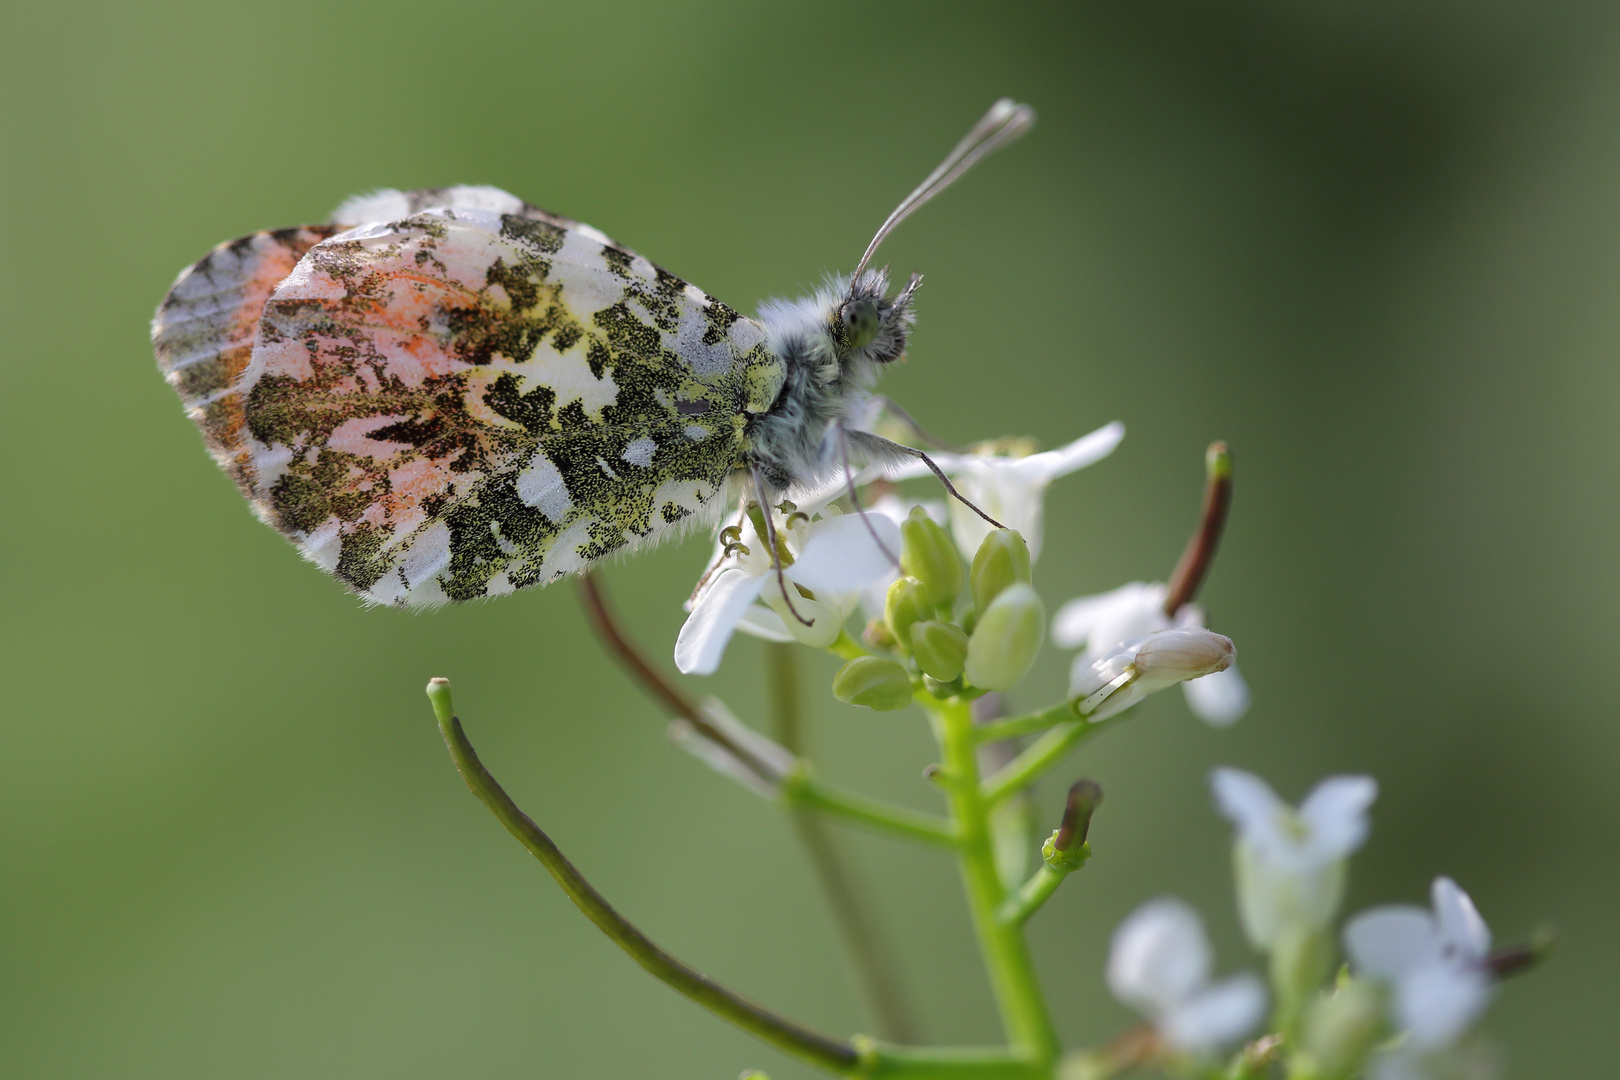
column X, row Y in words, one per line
column 1342, row 1028
column 1007, row 638
column 1110, row 684
column 908, row 602
column 1173, row 656
column 939, row 648
column 1002, row 560
column 438, row 692
column 928, row 554
column 873, row 683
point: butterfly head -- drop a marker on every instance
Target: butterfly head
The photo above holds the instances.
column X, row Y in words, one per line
column 866, row 325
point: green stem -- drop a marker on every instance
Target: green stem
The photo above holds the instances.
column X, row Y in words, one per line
column 1041, row 755
column 870, row 957
column 846, row 647
column 799, row 1042
column 801, row 789
column 1041, row 884
column 1006, row 955
column 1015, row 726
column 882, row 1062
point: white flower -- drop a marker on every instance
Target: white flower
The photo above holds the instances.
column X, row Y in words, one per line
column 1433, row 962
column 1290, row 864
column 1098, row 625
column 1138, row 668
column 833, row 557
column 1160, row 965
column 1010, row 489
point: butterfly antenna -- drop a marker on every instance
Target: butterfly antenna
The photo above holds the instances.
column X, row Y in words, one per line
column 1006, row 121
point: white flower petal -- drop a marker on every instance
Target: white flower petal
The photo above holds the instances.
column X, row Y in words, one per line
column 825, row 620
column 1219, row 700
column 840, row 555
column 1077, row 621
column 1461, row 928
column 707, row 630
column 1159, row 956
column 1216, row 1017
column 1335, row 813
column 773, row 755
column 1387, row 942
column 1086, row 450
column 1437, row 1003
column 765, row 624
column 1279, row 892
column 1248, row 802
column 1001, row 493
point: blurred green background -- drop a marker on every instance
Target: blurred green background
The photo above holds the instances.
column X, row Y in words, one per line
column 1374, row 245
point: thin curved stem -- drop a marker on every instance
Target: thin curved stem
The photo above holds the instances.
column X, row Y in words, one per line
column 871, row 959
column 1033, row 723
column 791, row 1038
column 1016, row 909
column 654, row 683
column 1041, row 755
column 803, row 789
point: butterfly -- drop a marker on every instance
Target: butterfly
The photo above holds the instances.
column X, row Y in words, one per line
column 449, row 393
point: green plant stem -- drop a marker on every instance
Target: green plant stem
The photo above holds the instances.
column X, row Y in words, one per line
column 870, row 957
column 1041, row 755
column 1017, row 909
column 1006, row 955
column 1014, row 726
column 787, row 1036
column 802, row 789
column 882, row 1062
column 846, row 647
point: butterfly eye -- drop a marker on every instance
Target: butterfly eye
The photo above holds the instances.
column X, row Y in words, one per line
column 861, row 323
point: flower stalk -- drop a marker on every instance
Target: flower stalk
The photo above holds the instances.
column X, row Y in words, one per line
column 791, row 1038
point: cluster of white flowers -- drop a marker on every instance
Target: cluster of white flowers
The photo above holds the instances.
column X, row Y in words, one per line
column 1420, row 978
column 1426, row 971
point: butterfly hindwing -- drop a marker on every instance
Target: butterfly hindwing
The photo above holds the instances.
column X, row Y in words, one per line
column 462, row 402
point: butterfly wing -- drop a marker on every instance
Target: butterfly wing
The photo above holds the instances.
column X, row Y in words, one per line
column 461, row 403
column 203, row 332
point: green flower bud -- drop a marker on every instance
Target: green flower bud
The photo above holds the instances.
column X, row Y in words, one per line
column 939, row 648
column 1007, row 638
column 1002, row 560
column 908, row 602
column 1342, row 1028
column 873, row 683
column 928, row 554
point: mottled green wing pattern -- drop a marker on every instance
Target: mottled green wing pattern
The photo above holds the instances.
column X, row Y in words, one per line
column 462, row 403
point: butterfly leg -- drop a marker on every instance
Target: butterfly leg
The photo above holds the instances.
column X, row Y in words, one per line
column 776, row 553
column 854, row 496
column 880, row 448
column 889, row 406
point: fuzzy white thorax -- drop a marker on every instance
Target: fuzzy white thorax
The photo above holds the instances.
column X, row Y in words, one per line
column 827, row 381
